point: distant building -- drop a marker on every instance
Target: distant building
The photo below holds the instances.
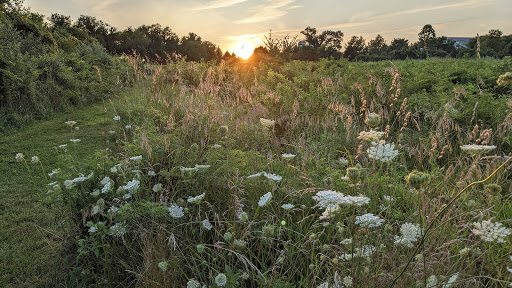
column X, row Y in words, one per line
column 460, row 42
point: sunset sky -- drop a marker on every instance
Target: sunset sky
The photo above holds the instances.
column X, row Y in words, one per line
column 233, row 24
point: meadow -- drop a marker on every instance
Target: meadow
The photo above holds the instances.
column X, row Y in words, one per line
column 300, row 174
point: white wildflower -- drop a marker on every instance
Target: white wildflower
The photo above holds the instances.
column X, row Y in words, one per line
column 74, row 140
column 193, row 283
column 128, row 127
column 63, row 146
column 431, row 281
column 369, row 220
column 55, row 171
column 347, row 281
column 176, row 211
column 70, row 123
column 197, row 199
column 221, row 280
column 362, row 252
column 477, row 149
column 185, row 169
column 410, row 233
column 329, row 212
column 288, row 156
column 287, row 206
column 151, row 173
column 35, row 159
column 343, row 161
column 92, row 229
column 370, row 136
column 127, row 196
column 118, row 230
column 207, row 224
column 264, row 199
column 451, row 281
column 201, row 166
column 491, row 232
column 216, row 146
column 20, row 157
column 69, row 184
column 157, row 187
column 323, row 285
column 117, row 118
column 382, row 152
column 272, row 176
column 329, row 198
column 347, row 241
column 267, row 123
column 132, row 186
column 136, row 158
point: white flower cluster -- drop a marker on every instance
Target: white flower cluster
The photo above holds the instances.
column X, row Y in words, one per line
column 410, row 233
column 264, row 199
column 71, row 183
column 207, row 224
column 136, row 158
column 197, row 199
column 221, row 280
column 107, row 184
column 369, row 220
column 288, row 156
column 132, row 186
column 176, row 211
column 370, row 136
column 477, row 149
column 193, row 283
column 331, row 199
column 382, row 152
column 118, row 230
column 287, row 206
column 363, row 252
column 195, row 168
column 74, row 140
column 267, row 123
column 267, row 175
column 491, row 232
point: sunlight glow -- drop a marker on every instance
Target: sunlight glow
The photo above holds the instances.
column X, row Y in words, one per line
column 244, row 49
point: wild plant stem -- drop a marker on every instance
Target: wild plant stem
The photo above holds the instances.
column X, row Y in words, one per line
column 423, row 238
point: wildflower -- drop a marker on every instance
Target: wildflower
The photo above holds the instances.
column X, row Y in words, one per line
column 452, row 280
column 151, row 173
column 63, row 146
column 216, row 146
column 370, row 136
column 132, row 186
column 163, row 265
column 268, row 230
column 70, row 123
column 92, row 229
column 74, row 140
column 373, row 120
column 347, row 281
column 431, row 281
column 176, row 211
column 128, row 127
column 185, row 169
column 239, row 244
column 347, row 241
column 287, row 206
column 491, row 232
column 477, row 149
column 369, row 220
column 382, row 152
column 221, row 280
column 20, row 157
column 111, row 132
column 417, row 179
column 267, row 175
column 207, row 225
column 197, row 199
column 362, row 252
column 200, row 248
column 117, row 118
column 505, row 79
column 267, row 123
column 118, row 230
column 35, row 159
column 243, row 216
column 264, row 199
column 68, row 184
column 410, row 233
column 343, row 161
column 329, row 212
column 201, row 166
column 288, row 156
column 332, row 199
column 127, row 196
column 157, row 187
column 388, row 198
column 136, row 158
column 112, row 209
column 465, row 251
column 323, row 285
column 193, row 283
column 107, row 184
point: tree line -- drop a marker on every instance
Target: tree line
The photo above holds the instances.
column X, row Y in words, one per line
column 328, row 44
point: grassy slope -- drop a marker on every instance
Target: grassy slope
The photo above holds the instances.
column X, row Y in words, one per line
column 32, row 235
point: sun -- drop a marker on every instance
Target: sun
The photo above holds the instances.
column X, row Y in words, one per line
column 244, row 49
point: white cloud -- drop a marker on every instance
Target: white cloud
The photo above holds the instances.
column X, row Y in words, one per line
column 219, row 4
column 268, row 11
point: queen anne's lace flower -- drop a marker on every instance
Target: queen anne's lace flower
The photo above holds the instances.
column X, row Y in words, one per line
column 491, row 232
column 267, row 175
column 264, row 199
column 382, row 152
column 132, row 186
column 74, row 140
column 267, row 123
column 193, row 283
column 347, row 281
column 207, row 225
column 288, row 156
column 287, row 206
column 118, row 230
column 197, row 199
column 477, row 149
column 363, row 252
column 370, row 135
column 410, row 233
column 221, row 280
column 329, row 198
column 176, row 211
column 369, row 220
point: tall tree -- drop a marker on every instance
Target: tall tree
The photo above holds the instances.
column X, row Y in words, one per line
column 427, row 34
column 354, row 47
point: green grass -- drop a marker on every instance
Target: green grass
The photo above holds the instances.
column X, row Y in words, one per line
column 33, row 235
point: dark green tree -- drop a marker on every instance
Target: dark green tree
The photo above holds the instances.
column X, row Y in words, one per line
column 354, row 47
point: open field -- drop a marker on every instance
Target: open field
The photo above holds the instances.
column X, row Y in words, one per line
column 326, row 174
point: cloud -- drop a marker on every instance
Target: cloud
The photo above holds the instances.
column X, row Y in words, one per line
column 268, row 11
column 103, row 6
column 219, row 4
column 372, row 19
